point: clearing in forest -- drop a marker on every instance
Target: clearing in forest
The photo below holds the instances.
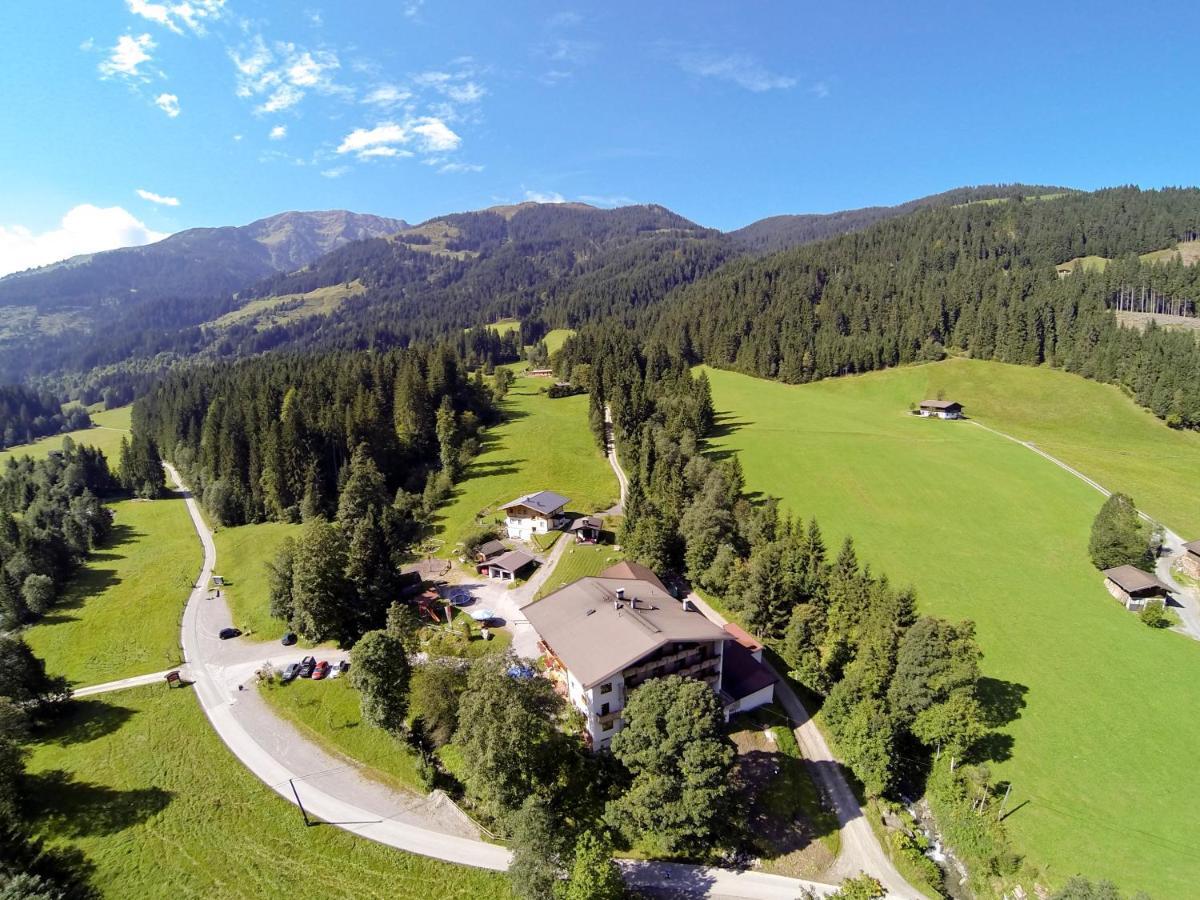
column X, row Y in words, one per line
column 1098, row 705
column 119, row 616
column 542, row 444
column 108, row 427
column 242, row 556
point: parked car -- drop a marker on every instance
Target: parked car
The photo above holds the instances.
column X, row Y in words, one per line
column 344, row 666
column 227, row 633
column 290, row 673
column 321, row 670
column 306, row 666
column 288, row 639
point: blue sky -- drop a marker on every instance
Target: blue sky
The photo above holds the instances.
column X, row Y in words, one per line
column 124, row 120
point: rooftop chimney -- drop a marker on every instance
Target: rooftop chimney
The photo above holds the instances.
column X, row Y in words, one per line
column 620, row 593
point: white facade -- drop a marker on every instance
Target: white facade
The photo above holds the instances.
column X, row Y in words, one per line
column 761, row 697
column 525, row 527
column 939, row 414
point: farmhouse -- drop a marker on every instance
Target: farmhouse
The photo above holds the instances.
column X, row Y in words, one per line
column 534, row 514
column 940, row 409
column 507, row 566
column 1133, row 587
column 541, row 373
column 585, row 529
column 604, row 636
column 1190, row 560
column 487, row 550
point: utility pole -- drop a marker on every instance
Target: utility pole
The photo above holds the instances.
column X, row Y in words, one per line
column 1000, row 811
column 303, row 812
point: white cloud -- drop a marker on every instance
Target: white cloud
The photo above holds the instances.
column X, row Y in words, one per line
column 190, row 14
column 127, row 56
column 278, row 133
column 283, row 97
column 309, row 70
column 157, row 198
column 365, row 140
column 168, row 103
column 84, row 229
column 387, row 95
column 283, row 73
column 237, row 138
column 743, row 70
column 335, row 172
column 436, row 137
column 456, row 167
column 545, row 197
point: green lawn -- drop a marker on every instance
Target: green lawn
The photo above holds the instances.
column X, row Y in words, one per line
column 1093, row 427
column 242, row 557
column 120, row 616
column 328, row 711
column 985, row 529
column 579, row 561
column 504, row 326
column 556, row 337
column 106, row 432
column 542, row 444
column 141, row 784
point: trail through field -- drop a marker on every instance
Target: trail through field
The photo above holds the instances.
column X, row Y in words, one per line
column 121, row 684
column 610, row 451
column 1184, row 602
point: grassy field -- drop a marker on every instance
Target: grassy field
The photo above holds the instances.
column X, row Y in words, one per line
column 105, row 434
column 267, row 312
column 987, row 530
column 556, row 337
column 579, row 561
column 144, row 787
column 328, row 711
column 242, row 557
column 543, row 444
column 1094, row 427
column 120, row 616
column 504, row 326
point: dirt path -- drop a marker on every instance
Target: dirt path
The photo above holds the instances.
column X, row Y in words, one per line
column 610, row 451
column 1184, row 603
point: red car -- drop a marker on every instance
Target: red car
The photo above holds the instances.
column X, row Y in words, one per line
column 321, row 670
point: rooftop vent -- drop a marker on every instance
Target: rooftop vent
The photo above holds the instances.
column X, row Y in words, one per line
column 590, row 612
column 620, row 593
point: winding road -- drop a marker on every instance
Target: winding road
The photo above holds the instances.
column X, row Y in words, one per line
column 333, row 791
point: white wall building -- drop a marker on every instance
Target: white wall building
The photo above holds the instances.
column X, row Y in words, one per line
column 534, row 514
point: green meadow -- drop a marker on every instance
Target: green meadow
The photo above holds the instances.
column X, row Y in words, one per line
column 542, row 444
column 140, row 783
column 242, row 556
column 579, row 561
column 108, row 427
column 119, row 617
column 985, row 529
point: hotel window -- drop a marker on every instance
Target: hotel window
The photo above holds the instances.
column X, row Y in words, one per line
column 604, row 709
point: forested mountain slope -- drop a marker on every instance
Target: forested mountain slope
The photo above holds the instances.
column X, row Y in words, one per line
column 177, row 282
column 776, row 233
column 978, row 278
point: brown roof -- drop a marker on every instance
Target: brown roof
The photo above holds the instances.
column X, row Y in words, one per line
column 1133, row 580
column 544, row 502
column 742, row 674
column 1192, row 547
column 584, row 522
column 490, row 549
column 512, row 561
column 939, row 404
column 596, row 636
column 743, row 637
column 636, row 571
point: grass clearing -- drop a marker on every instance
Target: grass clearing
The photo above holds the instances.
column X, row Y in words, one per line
column 505, row 326
column 142, row 785
column 556, row 337
column 542, row 444
column 579, row 561
column 120, row 615
column 242, row 557
column 328, row 712
column 987, row 530
column 267, row 312
column 105, row 434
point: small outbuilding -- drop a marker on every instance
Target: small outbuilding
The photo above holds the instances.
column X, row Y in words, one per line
column 487, row 550
column 746, row 682
column 1190, row 559
column 940, row 409
column 1133, row 587
column 507, row 566
column 585, row 529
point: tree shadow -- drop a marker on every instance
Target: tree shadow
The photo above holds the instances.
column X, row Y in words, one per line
column 86, row 721
column 491, row 468
column 1002, row 701
column 67, row 807
column 665, row 879
column 725, row 424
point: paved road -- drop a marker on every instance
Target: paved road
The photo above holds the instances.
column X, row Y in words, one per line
column 122, row 684
column 1185, row 602
column 610, row 451
column 331, row 789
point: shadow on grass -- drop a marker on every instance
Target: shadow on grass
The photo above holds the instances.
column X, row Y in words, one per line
column 86, row 721
column 67, row 807
column 491, row 468
column 1002, row 703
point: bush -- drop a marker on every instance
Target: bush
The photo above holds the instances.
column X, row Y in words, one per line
column 1154, row 615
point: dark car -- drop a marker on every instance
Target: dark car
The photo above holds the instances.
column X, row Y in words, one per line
column 227, row 633
column 290, row 673
column 321, row 670
column 306, row 666
column 288, row 639
column 344, row 666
